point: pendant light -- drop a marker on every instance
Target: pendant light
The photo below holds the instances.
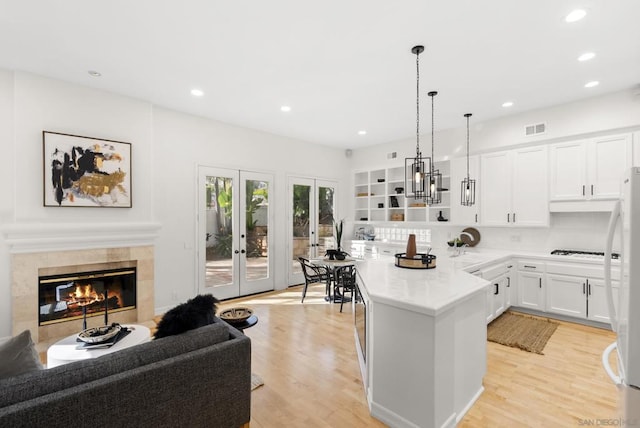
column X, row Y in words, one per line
column 468, row 186
column 417, row 168
column 434, row 179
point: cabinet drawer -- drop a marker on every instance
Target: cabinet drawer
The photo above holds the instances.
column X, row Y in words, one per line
column 531, row 265
column 582, row 270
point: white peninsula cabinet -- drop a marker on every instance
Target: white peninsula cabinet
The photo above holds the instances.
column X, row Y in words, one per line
column 577, row 290
column 461, row 214
column 588, row 170
column 513, row 185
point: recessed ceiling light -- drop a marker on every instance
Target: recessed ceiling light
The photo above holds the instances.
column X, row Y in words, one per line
column 592, row 84
column 507, row 104
column 576, row 15
column 94, row 73
column 586, row 56
column 362, row 132
column 285, row 108
column 197, row 92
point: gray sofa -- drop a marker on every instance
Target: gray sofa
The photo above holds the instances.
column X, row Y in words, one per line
column 201, row 378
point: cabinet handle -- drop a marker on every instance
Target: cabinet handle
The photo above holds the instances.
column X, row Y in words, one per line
column 509, row 267
column 508, row 217
column 588, row 288
column 508, row 281
column 476, row 218
column 592, row 190
column 584, row 289
column 497, row 289
column 540, row 282
column 583, row 188
column 514, row 217
column 529, row 267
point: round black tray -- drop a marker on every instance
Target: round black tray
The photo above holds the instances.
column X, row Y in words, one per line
column 419, row 261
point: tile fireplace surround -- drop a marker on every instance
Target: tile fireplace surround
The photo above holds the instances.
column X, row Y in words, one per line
column 70, row 249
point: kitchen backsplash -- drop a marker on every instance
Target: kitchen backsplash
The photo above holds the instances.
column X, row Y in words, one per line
column 580, row 231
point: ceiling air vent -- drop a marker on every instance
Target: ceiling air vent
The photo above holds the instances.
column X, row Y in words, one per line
column 535, row 129
column 392, row 155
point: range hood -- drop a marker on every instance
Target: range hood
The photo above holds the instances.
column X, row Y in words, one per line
column 581, row 206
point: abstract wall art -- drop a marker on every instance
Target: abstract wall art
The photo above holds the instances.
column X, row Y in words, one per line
column 85, row 171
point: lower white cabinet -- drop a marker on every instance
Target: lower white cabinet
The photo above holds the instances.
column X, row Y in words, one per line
column 498, row 296
column 531, row 287
column 578, row 291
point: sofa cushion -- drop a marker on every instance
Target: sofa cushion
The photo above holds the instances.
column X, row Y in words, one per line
column 195, row 313
column 34, row 384
column 18, row 355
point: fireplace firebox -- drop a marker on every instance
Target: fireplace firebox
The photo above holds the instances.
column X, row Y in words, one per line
column 73, row 296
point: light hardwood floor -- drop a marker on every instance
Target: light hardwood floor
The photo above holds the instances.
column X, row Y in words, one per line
column 305, row 353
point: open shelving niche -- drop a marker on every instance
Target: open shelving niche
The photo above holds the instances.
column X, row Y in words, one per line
column 376, row 198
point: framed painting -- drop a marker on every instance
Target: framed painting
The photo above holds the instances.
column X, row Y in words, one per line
column 85, row 171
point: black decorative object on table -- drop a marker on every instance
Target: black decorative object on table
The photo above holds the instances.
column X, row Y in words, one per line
column 394, row 201
column 441, row 217
column 399, row 190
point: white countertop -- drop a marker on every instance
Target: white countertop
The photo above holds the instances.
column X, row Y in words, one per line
column 433, row 291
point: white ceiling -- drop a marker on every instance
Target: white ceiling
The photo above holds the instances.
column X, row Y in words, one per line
column 342, row 65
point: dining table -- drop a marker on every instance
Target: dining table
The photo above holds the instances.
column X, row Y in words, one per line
column 332, row 265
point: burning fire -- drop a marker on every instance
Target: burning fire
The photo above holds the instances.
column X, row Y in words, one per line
column 85, row 295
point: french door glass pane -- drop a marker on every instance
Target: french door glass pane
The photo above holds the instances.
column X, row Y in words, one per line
column 219, row 240
column 325, row 219
column 301, row 217
column 257, row 229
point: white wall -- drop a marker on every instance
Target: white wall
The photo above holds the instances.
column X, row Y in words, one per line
column 166, row 148
column 594, row 116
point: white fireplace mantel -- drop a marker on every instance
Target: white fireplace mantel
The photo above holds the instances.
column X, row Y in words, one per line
column 41, row 237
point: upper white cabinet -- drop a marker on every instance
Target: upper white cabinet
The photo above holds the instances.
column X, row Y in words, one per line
column 461, row 214
column 589, row 169
column 513, row 185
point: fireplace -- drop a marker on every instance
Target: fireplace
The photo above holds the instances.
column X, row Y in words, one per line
column 77, row 295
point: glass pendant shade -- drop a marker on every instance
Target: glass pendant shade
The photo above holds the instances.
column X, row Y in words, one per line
column 467, row 186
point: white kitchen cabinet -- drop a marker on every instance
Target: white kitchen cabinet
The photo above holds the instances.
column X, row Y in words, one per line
column 496, row 295
column 577, row 290
column 460, row 214
column 589, row 169
column 513, row 185
column 531, row 286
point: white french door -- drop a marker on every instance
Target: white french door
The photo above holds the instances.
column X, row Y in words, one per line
column 310, row 221
column 234, row 221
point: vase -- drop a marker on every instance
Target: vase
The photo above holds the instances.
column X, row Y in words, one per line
column 411, row 246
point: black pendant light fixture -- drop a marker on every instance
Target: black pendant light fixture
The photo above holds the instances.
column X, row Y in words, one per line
column 434, row 179
column 468, row 186
column 417, row 168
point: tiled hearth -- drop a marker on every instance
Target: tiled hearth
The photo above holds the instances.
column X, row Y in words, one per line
column 62, row 252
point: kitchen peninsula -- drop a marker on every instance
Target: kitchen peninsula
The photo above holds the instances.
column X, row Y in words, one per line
column 425, row 352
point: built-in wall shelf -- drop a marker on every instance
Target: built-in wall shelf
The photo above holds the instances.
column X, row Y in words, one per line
column 380, row 196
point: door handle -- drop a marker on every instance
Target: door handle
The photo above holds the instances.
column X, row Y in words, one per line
column 236, row 251
column 242, row 251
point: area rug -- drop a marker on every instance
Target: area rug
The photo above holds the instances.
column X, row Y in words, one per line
column 256, row 381
column 521, row 331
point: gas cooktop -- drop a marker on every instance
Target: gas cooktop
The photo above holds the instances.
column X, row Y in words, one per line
column 584, row 254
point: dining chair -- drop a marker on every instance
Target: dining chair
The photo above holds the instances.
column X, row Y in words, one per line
column 314, row 275
column 345, row 279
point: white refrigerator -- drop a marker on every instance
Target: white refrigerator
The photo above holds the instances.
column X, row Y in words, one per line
column 625, row 312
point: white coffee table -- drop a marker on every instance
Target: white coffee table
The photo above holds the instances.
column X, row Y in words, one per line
column 68, row 349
